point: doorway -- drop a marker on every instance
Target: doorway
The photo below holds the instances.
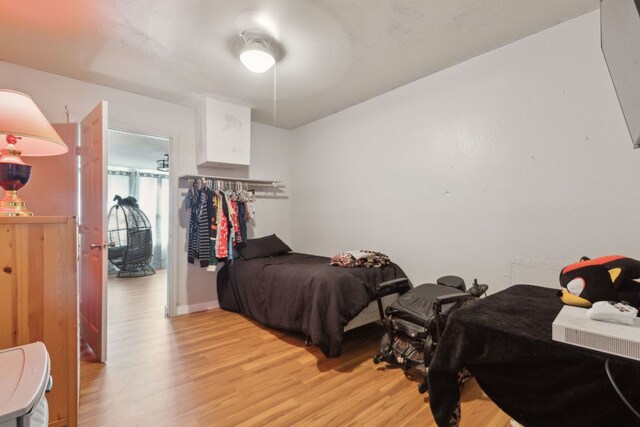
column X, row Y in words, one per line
column 138, row 185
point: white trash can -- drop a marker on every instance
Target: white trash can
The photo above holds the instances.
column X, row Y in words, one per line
column 24, row 379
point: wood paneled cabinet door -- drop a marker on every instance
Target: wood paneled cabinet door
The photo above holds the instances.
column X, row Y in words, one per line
column 39, row 301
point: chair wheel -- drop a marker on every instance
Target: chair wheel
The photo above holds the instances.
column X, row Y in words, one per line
column 423, row 386
column 377, row 358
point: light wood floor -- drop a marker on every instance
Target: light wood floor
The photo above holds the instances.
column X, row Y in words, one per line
column 220, row 369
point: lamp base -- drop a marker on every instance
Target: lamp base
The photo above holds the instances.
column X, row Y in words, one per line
column 12, row 205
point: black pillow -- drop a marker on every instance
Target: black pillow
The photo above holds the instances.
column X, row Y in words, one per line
column 263, row 247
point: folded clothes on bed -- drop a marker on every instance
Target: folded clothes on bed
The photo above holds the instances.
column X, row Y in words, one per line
column 360, row 258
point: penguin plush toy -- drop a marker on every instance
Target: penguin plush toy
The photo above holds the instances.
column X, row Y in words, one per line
column 608, row 278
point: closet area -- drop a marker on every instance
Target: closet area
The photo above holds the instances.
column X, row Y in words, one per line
column 220, row 210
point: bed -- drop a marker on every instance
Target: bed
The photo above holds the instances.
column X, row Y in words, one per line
column 505, row 341
column 303, row 293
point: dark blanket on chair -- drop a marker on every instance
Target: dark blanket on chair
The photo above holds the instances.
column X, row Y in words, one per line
column 505, row 342
column 300, row 292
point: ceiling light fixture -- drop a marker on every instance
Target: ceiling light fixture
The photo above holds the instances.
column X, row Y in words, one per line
column 163, row 164
column 259, row 52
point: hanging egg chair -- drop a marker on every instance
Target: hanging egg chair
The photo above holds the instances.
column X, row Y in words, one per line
column 130, row 240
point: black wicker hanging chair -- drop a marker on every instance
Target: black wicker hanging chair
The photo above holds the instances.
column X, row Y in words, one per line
column 130, row 240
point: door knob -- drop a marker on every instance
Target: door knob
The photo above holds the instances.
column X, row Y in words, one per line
column 103, row 245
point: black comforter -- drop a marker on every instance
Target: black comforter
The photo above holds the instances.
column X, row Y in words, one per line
column 300, row 292
column 505, row 342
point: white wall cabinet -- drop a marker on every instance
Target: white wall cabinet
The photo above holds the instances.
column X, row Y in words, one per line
column 224, row 138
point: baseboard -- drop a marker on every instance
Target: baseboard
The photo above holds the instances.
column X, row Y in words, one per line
column 194, row 308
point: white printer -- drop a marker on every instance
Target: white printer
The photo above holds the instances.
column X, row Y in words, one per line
column 24, row 378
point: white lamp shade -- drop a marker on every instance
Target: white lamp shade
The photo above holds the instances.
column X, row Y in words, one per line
column 257, row 60
column 19, row 116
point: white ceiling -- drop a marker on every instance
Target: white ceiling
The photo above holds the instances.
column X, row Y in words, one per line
column 135, row 151
column 337, row 53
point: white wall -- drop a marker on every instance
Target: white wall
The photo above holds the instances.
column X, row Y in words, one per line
column 128, row 111
column 505, row 167
column 271, row 159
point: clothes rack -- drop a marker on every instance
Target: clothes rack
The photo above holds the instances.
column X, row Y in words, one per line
column 264, row 185
column 220, row 209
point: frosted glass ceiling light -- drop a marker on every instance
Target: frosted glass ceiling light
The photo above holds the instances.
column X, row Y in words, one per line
column 257, row 60
column 260, row 51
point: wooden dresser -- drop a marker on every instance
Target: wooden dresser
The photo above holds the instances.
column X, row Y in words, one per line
column 39, row 301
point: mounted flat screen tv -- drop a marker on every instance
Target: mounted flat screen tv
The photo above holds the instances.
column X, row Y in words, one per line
column 620, row 33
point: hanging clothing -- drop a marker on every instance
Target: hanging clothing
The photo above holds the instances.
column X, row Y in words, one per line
column 203, row 231
column 231, row 222
column 250, row 212
column 217, row 223
column 199, row 231
column 222, row 250
column 236, row 221
column 243, row 223
column 213, row 227
column 192, row 196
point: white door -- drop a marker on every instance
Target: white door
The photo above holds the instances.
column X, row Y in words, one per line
column 93, row 226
